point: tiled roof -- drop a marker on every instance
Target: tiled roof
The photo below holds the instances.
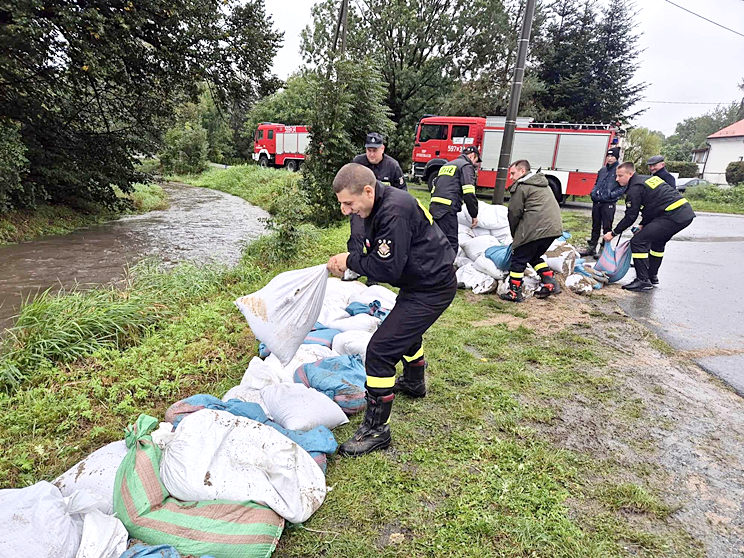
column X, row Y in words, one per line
column 736, row 129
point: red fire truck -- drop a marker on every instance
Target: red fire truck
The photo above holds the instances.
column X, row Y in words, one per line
column 569, row 154
column 280, row 146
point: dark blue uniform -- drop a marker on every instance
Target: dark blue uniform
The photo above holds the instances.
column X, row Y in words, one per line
column 667, row 177
column 454, row 184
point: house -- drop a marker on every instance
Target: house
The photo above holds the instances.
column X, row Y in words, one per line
column 699, row 156
column 724, row 146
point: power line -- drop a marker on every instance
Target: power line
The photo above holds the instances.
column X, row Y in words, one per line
column 685, row 103
column 705, row 18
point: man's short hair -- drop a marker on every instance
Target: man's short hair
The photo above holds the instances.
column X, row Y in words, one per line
column 523, row 164
column 629, row 167
column 353, row 177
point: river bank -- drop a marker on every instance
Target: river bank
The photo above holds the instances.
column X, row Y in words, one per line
column 552, row 428
column 25, row 225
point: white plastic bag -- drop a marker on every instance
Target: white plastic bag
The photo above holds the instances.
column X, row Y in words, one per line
column 477, row 246
column 284, row 311
column 352, row 343
column 360, row 322
column 297, row 407
column 38, row 521
column 219, row 456
column 472, row 279
column 104, row 536
column 95, row 474
column 485, row 265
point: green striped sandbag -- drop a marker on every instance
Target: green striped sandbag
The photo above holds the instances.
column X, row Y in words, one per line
column 221, row 528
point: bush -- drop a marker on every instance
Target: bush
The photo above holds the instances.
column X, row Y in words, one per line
column 12, row 164
column 186, row 148
column 735, row 173
column 733, row 195
column 686, row 169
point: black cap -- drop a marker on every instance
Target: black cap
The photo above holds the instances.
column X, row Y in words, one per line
column 472, row 149
column 373, row 140
column 614, row 151
column 656, row 159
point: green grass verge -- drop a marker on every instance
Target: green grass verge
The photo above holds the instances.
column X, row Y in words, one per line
column 21, row 226
column 473, row 470
column 716, row 199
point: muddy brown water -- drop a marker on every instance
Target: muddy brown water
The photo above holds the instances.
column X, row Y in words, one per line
column 200, row 225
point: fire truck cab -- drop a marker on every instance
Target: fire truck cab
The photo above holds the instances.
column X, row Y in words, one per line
column 568, row 154
column 280, row 146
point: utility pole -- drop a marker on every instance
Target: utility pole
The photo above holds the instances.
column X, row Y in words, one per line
column 343, row 18
column 513, row 109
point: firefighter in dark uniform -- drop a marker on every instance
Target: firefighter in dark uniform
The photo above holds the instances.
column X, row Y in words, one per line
column 386, row 169
column 406, row 249
column 454, row 183
column 665, row 213
column 657, row 166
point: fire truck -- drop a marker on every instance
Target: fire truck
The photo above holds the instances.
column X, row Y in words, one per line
column 278, row 145
column 568, row 154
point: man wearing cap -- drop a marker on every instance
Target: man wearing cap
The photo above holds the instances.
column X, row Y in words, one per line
column 665, row 213
column 406, row 249
column 454, row 184
column 605, row 194
column 657, row 167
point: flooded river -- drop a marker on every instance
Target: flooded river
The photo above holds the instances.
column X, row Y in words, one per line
column 201, row 225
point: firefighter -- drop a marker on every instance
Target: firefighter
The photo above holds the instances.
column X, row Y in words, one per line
column 665, row 213
column 605, row 194
column 386, row 169
column 405, row 248
column 535, row 222
column 657, row 166
column 454, row 183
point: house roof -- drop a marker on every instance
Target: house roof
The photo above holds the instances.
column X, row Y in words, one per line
column 736, row 129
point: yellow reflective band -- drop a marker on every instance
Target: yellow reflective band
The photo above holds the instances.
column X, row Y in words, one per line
column 426, row 213
column 657, row 254
column 516, row 275
column 418, row 354
column 444, row 201
column 468, row 189
column 377, row 382
column 640, row 256
column 653, row 182
column 676, row 204
column 539, row 266
column 447, row 170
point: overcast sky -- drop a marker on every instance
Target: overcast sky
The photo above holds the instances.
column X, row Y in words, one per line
column 685, row 58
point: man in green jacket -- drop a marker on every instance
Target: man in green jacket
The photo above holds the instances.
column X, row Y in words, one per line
column 535, row 222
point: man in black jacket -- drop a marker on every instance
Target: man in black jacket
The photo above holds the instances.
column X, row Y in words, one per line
column 665, row 213
column 605, row 194
column 406, row 249
column 657, row 166
column 454, row 183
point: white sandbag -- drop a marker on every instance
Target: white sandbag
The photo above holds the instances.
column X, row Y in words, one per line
column 530, row 284
column 486, row 265
column 481, row 232
column 260, row 373
column 502, row 235
column 462, row 261
column 337, row 296
column 37, row 521
column 360, row 322
column 463, row 238
column 297, row 407
column 284, row 311
column 163, row 435
column 219, row 456
column 489, row 216
column 350, row 275
column 562, row 258
column 248, row 395
column 386, row 297
column 95, row 474
column 579, row 284
column 305, row 354
column 479, row 282
column 477, row 246
column 352, row 343
column 104, row 536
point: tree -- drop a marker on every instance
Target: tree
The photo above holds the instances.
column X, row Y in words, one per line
column 93, row 84
column 13, row 162
column 697, row 129
column 642, row 143
column 186, row 143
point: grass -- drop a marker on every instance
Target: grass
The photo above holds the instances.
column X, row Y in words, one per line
column 24, row 225
column 716, row 199
column 472, row 471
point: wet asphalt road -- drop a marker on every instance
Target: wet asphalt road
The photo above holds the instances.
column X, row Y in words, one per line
column 699, row 305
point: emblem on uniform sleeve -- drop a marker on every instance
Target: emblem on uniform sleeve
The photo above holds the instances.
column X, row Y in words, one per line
column 384, row 248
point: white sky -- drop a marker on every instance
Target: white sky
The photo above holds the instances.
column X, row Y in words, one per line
column 685, row 58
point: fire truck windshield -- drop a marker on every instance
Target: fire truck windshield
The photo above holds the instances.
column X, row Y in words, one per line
column 432, row 132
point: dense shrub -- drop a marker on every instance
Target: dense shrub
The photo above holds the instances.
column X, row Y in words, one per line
column 733, row 195
column 735, row 173
column 686, row 169
column 185, row 149
column 12, row 164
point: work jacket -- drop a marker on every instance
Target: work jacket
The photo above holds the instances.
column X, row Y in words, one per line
column 454, row 183
column 533, row 210
column 387, row 171
column 606, row 189
column 654, row 198
column 403, row 245
column 667, row 177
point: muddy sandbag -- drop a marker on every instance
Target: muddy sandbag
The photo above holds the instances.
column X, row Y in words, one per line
column 219, row 456
column 221, row 528
column 104, row 536
column 284, row 311
column 340, row 378
column 579, row 284
column 95, row 474
column 468, row 277
column 297, row 407
column 352, row 343
column 477, row 246
column 562, row 259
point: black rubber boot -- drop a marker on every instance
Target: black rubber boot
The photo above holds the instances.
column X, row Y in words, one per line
column 549, row 285
column 654, row 279
column 639, row 285
column 514, row 294
column 374, row 432
column 412, row 383
column 591, row 251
